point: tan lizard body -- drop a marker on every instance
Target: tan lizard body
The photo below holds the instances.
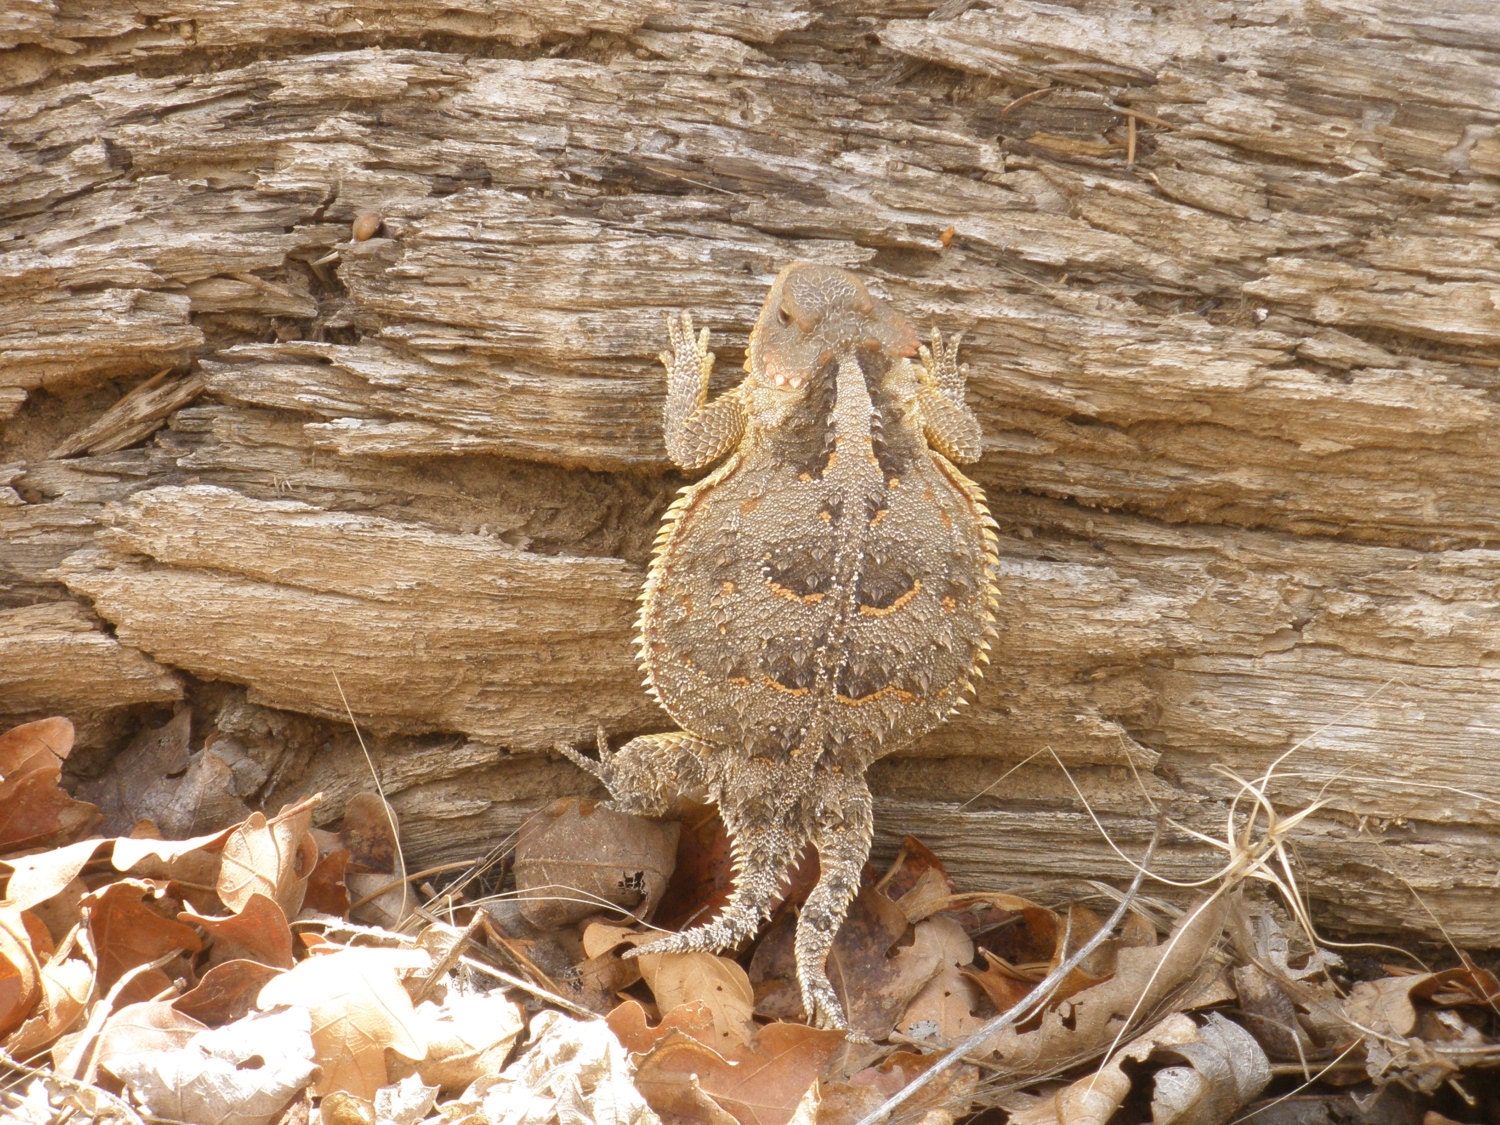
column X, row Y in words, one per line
column 820, row 599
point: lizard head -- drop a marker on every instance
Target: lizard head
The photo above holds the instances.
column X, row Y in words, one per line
column 814, row 316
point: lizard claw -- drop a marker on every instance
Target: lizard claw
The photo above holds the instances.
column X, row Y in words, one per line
column 600, row 767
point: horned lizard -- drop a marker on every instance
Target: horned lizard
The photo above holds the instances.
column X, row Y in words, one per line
column 820, row 599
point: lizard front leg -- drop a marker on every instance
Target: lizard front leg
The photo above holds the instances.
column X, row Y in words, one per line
column 697, row 432
column 950, row 426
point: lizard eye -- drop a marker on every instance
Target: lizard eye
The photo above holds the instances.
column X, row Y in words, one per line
column 783, row 316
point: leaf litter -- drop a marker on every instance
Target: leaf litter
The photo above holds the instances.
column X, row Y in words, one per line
column 274, row 972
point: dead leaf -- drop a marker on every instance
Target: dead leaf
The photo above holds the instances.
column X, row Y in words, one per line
column 945, row 1010
column 1294, row 1012
column 916, row 879
column 341, row 1108
column 270, row 857
column 631, row 1027
column 226, row 992
column 703, row 875
column 597, row 982
column 36, row 878
column 762, row 1085
column 576, row 857
column 195, row 860
column 931, row 886
column 572, row 1071
column 1226, row 1069
column 1270, row 1013
column 407, row 1102
column 359, row 1008
column 33, row 746
column 35, row 811
column 1088, row 1022
column 132, row 923
column 242, row 1074
column 1385, row 1006
column 606, row 937
column 259, row 932
column 718, row 983
column 66, row 984
column 208, row 796
column 20, row 974
column 1014, row 929
column 368, row 831
column 845, row 1103
column 142, row 1028
column 1465, row 985
column 1004, row 984
column 327, row 889
column 468, row 1035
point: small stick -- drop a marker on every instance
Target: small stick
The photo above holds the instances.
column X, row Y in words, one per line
column 526, row 986
column 1146, row 117
column 1024, row 98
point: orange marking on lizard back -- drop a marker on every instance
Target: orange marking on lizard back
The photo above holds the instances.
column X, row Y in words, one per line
column 770, row 683
column 903, row 600
column 792, row 595
column 904, row 696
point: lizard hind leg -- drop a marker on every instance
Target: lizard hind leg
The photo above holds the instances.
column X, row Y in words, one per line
column 650, row 774
column 842, row 833
column 764, row 843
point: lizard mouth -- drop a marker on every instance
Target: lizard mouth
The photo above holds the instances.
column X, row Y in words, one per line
column 792, row 380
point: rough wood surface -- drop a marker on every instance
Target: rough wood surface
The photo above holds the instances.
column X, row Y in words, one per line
column 1230, row 285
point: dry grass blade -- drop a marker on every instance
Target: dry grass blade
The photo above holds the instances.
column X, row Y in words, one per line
column 384, row 802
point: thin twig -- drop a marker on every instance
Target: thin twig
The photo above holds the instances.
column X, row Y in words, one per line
column 1027, row 1005
column 526, row 986
column 1025, row 98
column 1135, row 114
column 445, row 963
